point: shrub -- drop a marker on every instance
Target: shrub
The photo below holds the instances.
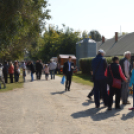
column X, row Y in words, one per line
column 85, row 64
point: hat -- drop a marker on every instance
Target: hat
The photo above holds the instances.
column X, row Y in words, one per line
column 101, row 51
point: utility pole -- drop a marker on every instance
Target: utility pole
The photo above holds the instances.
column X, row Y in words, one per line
column 120, row 31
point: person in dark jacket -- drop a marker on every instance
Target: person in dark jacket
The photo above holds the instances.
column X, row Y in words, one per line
column 39, row 68
column 99, row 66
column 31, row 67
column 68, row 72
column 16, row 71
column 115, row 70
column 5, row 72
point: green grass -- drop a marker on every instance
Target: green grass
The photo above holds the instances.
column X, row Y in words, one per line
column 81, row 78
column 11, row 86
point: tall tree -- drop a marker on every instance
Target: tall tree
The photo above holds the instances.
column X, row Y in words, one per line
column 95, row 35
column 21, row 22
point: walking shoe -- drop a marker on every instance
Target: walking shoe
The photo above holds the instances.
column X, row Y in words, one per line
column 89, row 97
column 118, row 107
column 109, row 109
column 97, row 107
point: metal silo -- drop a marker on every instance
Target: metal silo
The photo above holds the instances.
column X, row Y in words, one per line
column 85, row 48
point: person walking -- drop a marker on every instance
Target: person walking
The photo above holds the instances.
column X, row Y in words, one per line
column 16, row 71
column 114, row 71
column 126, row 68
column 11, row 71
column 39, row 68
column 46, row 70
column 1, row 76
column 68, row 72
column 5, row 72
column 52, row 67
column 31, row 67
column 99, row 66
column 23, row 66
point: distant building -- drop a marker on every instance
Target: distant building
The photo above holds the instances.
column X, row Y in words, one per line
column 117, row 45
column 85, row 48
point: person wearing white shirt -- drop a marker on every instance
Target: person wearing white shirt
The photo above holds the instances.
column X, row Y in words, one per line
column 126, row 68
column 68, row 72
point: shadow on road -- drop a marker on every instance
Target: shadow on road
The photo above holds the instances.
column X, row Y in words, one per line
column 127, row 116
column 95, row 114
column 87, row 103
column 61, row 92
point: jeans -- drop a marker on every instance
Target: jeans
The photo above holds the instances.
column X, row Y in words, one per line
column 32, row 78
column 133, row 95
column 100, row 86
column 52, row 73
column 125, row 91
column 16, row 77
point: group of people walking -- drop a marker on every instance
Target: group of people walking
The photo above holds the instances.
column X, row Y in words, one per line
column 11, row 70
column 113, row 79
column 40, row 68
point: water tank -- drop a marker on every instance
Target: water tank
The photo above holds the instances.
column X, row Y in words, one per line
column 85, row 48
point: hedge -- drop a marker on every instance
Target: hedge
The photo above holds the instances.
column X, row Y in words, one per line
column 85, row 64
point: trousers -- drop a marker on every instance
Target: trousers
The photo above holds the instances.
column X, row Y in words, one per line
column 38, row 74
column 68, row 80
column 100, row 86
column 117, row 93
column 52, row 73
column 125, row 92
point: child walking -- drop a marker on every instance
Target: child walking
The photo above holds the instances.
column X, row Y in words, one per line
column 46, row 71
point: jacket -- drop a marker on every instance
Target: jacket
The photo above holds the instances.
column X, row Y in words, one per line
column 132, row 79
column 52, row 66
column 115, row 70
column 46, row 70
column 5, row 69
column 31, row 66
column 99, row 66
column 39, row 66
column 11, row 70
column 1, row 72
column 123, row 68
column 66, row 67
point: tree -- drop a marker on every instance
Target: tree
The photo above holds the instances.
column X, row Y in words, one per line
column 95, row 35
column 21, row 22
column 84, row 34
column 56, row 42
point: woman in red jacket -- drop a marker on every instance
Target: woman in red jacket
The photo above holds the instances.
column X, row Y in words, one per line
column 114, row 71
column 11, row 71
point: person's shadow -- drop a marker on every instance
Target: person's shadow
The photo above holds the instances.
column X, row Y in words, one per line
column 87, row 103
column 128, row 116
column 95, row 114
column 60, row 92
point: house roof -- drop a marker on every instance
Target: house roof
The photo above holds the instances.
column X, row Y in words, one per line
column 112, row 48
column 65, row 56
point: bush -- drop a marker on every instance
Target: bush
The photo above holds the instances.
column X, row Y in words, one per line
column 85, row 64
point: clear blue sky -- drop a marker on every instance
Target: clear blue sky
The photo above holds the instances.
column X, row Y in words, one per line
column 106, row 16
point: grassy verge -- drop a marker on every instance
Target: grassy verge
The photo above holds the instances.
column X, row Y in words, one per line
column 11, row 86
column 81, row 78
